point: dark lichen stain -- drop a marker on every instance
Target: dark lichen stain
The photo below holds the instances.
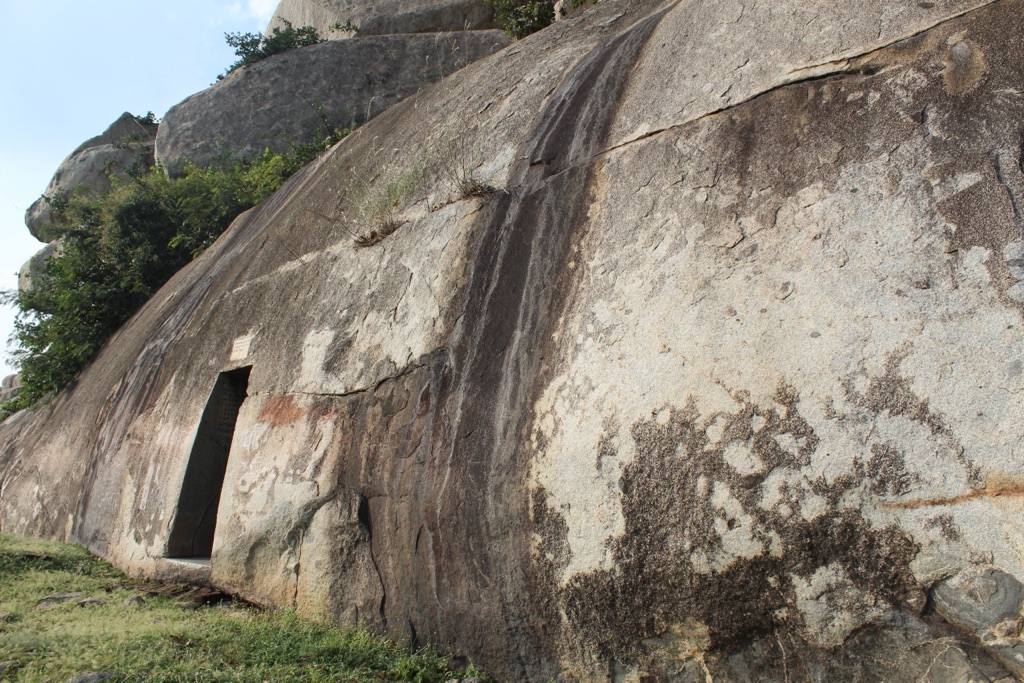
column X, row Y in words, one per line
column 946, row 526
column 887, row 470
column 669, row 521
column 891, row 394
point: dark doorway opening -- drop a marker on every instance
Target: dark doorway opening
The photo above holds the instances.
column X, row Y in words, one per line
column 196, row 517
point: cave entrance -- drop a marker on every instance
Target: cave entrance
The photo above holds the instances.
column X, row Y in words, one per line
column 196, row 517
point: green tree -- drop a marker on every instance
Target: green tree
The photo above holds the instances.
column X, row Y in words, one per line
column 121, row 247
column 252, row 47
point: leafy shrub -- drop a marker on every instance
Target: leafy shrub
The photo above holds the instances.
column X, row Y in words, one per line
column 119, row 248
column 520, row 18
column 347, row 27
column 252, row 47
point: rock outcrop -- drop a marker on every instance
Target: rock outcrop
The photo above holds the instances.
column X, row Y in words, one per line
column 125, row 145
column 379, row 17
column 36, row 265
column 286, row 99
column 9, row 388
column 723, row 382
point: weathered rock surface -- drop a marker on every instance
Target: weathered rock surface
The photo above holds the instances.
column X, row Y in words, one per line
column 125, row 144
column 286, row 99
column 566, row 8
column 378, row 17
column 36, row 265
column 724, row 383
column 9, row 388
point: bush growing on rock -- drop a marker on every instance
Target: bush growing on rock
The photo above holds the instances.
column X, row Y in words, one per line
column 252, row 47
column 119, row 248
column 520, row 18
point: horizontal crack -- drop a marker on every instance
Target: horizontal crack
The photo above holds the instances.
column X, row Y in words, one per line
column 838, row 67
column 344, row 394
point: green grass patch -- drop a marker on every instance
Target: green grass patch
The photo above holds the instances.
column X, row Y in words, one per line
column 160, row 640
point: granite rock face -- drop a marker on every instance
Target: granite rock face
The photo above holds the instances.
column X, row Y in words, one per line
column 286, row 99
column 379, row 17
column 723, row 382
column 125, row 145
column 36, row 265
column 9, row 388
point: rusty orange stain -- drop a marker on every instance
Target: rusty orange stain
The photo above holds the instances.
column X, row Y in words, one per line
column 280, row 410
column 997, row 485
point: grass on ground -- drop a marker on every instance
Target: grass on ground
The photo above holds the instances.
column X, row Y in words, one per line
column 164, row 638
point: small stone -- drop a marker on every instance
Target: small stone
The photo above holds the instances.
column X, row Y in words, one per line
column 188, row 604
column 979, row 599
column 133, row 600
column 7, row 667
column 7, row 617
column 89, row 601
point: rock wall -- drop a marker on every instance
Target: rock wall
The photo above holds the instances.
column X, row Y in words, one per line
column 380, row 17
column 286, row 99
column 36, row 266
column 723, row 382
column 126, row 144
column 9, row 388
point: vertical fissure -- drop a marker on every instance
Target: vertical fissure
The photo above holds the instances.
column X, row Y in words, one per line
column 363, row 516
column 522, row 288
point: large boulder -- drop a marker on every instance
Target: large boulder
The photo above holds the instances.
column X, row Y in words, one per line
column 9, row 388
column 724, row 382
column 377, row 17
column 127, row 144
column 36, row 266
column 287, row 98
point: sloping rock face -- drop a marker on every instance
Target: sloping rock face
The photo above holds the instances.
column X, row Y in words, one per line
column 724, row 383
column 286, row 99
column 377, row 17
column 126, row 144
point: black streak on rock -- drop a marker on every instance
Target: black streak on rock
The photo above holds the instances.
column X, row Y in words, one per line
column 670, row 520
column 519, row 290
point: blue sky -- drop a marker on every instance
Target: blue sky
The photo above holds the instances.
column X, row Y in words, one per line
column 70, row 68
